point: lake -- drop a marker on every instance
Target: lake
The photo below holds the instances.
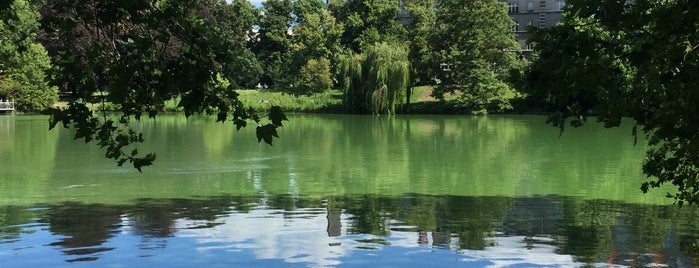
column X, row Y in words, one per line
column 340, row 191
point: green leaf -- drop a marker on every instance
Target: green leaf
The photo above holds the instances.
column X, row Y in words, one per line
column 221, row 117
column 56, row 115
column 239, row 123
column 147, row 160
column 276, row 115
column 266, row 133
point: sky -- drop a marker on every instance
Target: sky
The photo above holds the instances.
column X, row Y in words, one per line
column 257, row 3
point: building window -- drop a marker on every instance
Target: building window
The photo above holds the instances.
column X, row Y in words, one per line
column 514, row 7
column 560, row 4
column 530, row 46
column 515, row 26
column 530, row 6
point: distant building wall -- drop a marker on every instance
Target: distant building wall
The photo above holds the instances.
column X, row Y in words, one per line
column 533, row 13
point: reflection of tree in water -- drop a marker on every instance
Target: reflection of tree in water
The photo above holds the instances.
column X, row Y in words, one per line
column 585, row 226
column 470, row 218
column 156, row 218
column 531, row 216
column 153, row 221
column 686, row 219
column 473, row 219
column 11, row 219
column 591, row 231
column 153, row 218
column 86, row 227
column 370, row 214
column 627, row 234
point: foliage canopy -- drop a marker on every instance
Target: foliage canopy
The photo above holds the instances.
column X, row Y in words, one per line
column 474, row 39
column 639, row 59
column 376, row 80
column 24, row 64
column 144, row 53
column 315, row 75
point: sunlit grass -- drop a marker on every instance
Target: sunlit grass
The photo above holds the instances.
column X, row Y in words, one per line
column 326, row 102
column 329, row 101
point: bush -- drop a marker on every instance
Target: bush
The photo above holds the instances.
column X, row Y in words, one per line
column 315, row 75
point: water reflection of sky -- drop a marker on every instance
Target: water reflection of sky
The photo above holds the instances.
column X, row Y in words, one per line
column 257, row 232
column 304, row 240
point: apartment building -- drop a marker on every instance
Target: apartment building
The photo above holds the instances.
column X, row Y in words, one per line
column 535, row 13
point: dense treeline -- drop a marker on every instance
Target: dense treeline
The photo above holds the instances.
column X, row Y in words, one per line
column 291, row 46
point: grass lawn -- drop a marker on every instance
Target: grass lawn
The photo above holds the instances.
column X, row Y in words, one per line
column 421, row 102
column 329, row 101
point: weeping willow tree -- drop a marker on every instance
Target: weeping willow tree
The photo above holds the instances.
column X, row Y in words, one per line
column 376, row 80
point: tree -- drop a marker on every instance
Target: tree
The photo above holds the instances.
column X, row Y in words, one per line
column 24, row 64
column 273, row 42
column 419, row 19
column 473, row 38
column 316, row 37
column 368, row 22
column 315, row 75
column 376, row 81
column 303, row 8
column 235, row 21
column 640, row 59
column 143, row 53
column 419, row 26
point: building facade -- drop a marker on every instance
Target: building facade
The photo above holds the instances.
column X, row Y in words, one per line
column 533, row 13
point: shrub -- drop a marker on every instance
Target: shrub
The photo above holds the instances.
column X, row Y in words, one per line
column 315, row 75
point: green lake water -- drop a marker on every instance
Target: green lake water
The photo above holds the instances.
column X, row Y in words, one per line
column 340, row 191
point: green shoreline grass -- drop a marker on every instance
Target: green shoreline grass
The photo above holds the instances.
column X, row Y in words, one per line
column 331, row 102
column 326, row 102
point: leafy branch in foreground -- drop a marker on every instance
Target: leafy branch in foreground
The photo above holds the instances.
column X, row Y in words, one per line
column 629, row 58
column 115, row 136
column 110, row 135
column 142, row 54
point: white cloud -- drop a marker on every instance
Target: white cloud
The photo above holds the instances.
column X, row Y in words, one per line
column 272, row 234
column 300, row 237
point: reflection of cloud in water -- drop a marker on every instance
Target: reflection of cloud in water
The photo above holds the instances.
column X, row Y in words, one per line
column 301, row 237
column 296, row 238
column 521, row 251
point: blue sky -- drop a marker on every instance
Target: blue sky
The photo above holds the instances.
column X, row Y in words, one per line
column 257, row 3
